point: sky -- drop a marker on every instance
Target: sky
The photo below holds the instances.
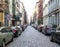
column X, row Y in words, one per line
column 29, row 6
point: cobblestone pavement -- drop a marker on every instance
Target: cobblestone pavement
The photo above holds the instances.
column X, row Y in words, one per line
column 32, row 38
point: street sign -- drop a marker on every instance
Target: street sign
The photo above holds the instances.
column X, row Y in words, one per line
column 8, row 17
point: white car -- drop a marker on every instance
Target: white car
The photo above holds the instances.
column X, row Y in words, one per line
column 5, row 36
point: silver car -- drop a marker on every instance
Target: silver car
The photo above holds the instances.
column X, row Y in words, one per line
column 5, row 36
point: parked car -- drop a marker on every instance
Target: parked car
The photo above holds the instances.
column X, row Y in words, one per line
column 24, row 27
column 40, row 28
column 15, row 31
column 19, row 29
column 55, row 36
column 34, row 25
column 5, row 36
column 46, row 30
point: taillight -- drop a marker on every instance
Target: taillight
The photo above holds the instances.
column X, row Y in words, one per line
column 14, row 30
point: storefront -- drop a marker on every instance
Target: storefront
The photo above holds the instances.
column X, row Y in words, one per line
column 54, row 19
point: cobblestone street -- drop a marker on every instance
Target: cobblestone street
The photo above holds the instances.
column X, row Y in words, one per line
column 32, row 38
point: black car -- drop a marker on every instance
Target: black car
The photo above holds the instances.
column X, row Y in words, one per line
column 55, row 36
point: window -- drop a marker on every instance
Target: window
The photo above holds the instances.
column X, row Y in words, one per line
column 1, row 1
column 3, row 30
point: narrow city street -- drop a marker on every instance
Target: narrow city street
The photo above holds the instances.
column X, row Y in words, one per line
column 32, row 38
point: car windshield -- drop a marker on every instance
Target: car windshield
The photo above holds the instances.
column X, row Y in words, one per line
column 58, row 28
column 3, row 30
column 13, row 27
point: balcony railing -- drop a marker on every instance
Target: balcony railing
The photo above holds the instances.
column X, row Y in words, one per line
column 4, row 2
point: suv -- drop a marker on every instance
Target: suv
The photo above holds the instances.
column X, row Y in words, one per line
column 55, row 36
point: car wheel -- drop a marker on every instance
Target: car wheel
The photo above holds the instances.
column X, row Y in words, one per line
column 51, row 38
column 3, row 45
column 17, row 34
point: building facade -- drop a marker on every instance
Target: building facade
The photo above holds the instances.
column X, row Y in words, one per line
column 39, row 12
column 51, row 12
column 54, row 12
column 35, row 17
column 23, row 18
column 45, row 12
column 17, row 12
column 3, row 11
column 13, row 11
column 10, row 12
